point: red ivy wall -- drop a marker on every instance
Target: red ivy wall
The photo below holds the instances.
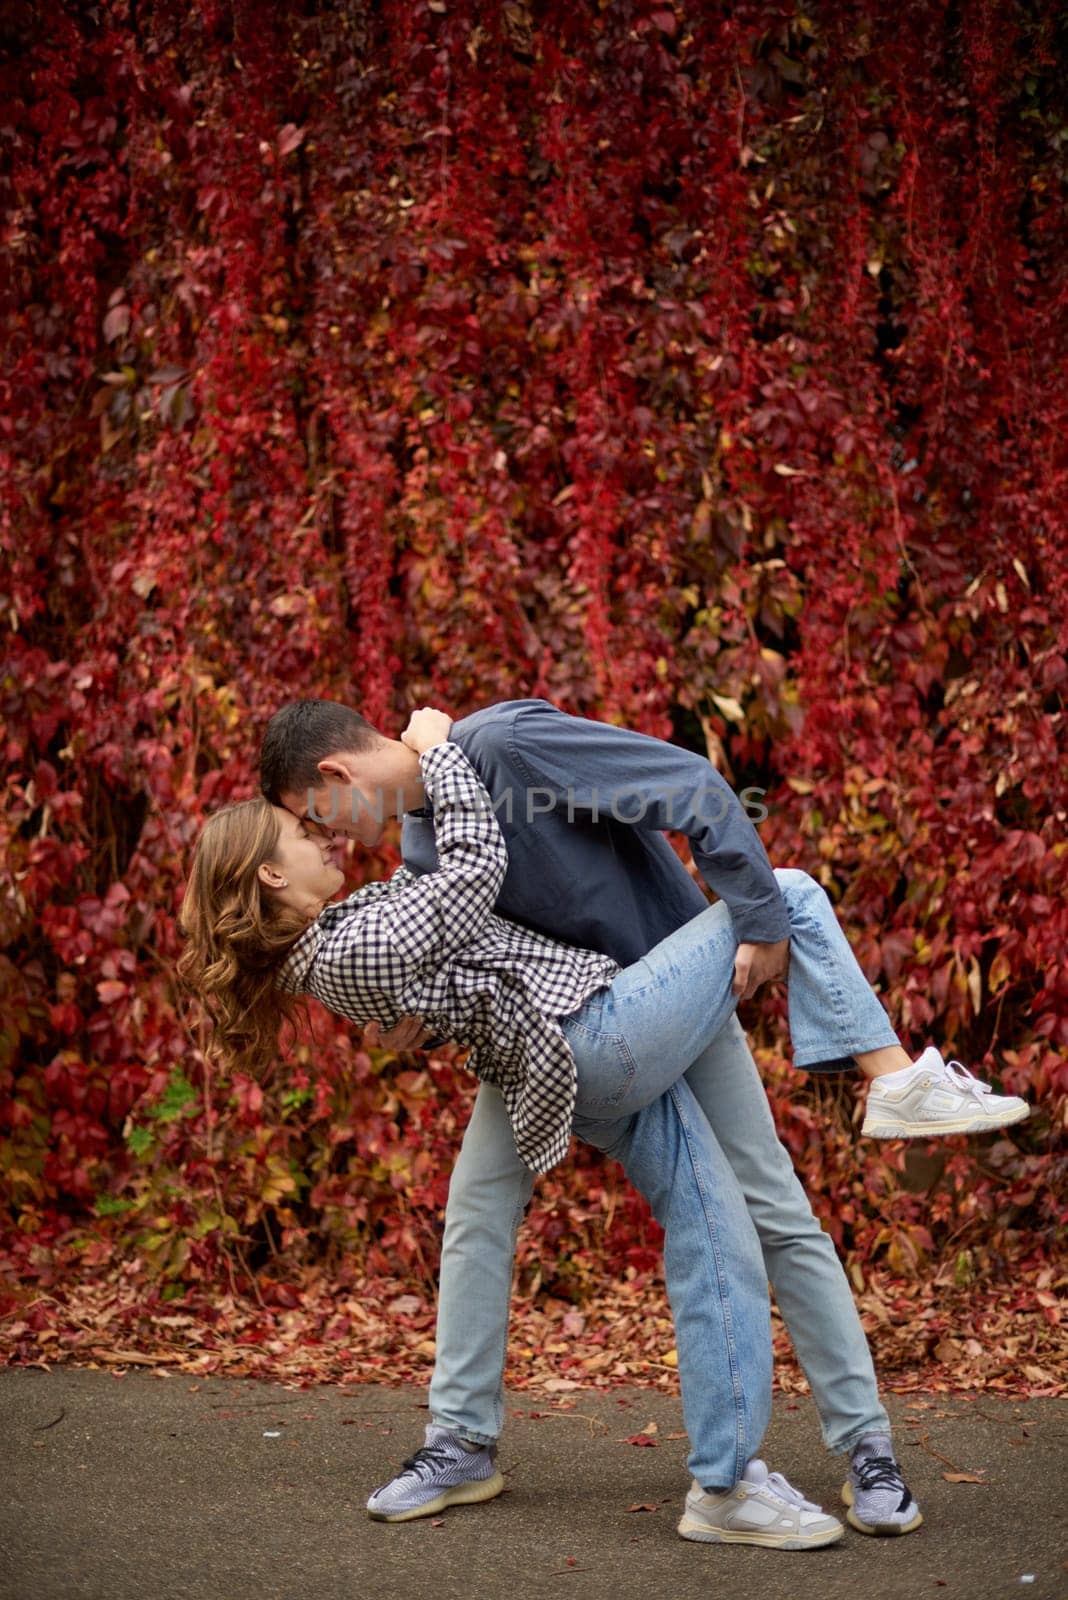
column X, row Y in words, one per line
column 700, row 367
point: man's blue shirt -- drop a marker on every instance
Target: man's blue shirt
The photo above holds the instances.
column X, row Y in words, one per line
column 583, row 806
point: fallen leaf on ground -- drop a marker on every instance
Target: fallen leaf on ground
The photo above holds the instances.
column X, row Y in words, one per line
column 103, row 1319
column 642, row 1505
column 963, row 1477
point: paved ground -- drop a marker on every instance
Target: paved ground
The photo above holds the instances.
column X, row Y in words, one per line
column 149, row 1488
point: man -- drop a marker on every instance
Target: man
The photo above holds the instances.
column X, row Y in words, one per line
column 583, row 806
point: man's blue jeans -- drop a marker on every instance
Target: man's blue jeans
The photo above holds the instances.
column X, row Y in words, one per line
column 668, row 1086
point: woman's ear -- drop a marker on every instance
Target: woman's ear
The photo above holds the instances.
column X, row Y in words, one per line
column 269, row 874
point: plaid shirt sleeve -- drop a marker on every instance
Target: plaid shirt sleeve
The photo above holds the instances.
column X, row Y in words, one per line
column 422, row 920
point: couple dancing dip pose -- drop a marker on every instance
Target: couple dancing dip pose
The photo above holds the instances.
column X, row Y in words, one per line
column 542, row 918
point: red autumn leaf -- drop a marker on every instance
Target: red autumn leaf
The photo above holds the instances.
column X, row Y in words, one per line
column 116, row 323
column 289, row 138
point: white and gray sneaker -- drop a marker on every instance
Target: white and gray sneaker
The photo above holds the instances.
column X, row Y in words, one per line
column 878, row 1497
column 441, row 1473
column 934, row 1097
column 761, row 1509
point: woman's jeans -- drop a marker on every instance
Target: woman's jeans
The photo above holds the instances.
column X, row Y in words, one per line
column 661, row 1063
column 629, row 1039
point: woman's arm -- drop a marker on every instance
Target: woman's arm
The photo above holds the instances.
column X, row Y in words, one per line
column 379, row 950
column 440, row 911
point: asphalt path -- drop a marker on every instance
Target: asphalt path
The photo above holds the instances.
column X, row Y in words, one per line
column 148, row 1487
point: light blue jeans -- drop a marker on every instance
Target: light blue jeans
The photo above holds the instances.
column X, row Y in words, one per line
column 668, row 1087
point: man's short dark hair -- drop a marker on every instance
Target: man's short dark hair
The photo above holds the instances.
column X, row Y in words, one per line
column 300, row 736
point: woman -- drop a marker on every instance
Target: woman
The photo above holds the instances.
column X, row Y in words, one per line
column 561, row 1031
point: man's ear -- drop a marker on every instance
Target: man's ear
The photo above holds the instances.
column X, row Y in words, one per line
column 334, row 769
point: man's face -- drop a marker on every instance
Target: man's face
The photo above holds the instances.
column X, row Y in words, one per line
column 348, row 801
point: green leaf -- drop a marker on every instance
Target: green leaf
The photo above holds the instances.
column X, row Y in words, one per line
column 296, row 1097
column 140, row 1140
column 178, row 1095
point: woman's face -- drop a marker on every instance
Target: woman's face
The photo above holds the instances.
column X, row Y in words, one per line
column 301, row 871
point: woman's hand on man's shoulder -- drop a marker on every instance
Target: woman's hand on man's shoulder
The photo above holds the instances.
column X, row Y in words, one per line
column 426, row 728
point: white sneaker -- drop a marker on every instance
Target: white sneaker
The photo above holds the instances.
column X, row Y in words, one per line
column 937, row 1097
column 762, row 1509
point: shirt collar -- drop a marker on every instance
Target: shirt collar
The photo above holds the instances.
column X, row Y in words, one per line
column 293, row 973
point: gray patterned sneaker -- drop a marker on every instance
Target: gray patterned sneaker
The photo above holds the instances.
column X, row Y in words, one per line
column 441, row 1473
column 934, row 1097
column 878, row 1498
column 762, row 1509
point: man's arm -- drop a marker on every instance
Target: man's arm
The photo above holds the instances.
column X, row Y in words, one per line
column 594, row 769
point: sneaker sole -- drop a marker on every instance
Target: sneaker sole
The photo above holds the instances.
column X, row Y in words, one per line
column 933, row 1130
column 462, row 1494
column 701, row 1533
column 880, row 1529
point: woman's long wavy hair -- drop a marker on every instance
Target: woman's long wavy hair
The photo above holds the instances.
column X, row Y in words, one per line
column 237, row 936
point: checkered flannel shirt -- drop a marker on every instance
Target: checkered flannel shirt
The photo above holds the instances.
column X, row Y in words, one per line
column 429, row 945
